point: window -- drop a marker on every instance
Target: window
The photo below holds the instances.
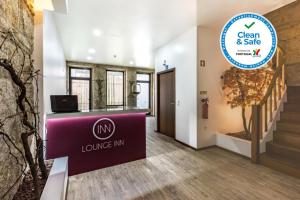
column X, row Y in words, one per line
column 80, row 85
column 143, row 98
column 115, row 88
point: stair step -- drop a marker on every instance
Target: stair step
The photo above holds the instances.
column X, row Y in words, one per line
column 287, row 139
column 281, row 164
column 293, row 127
column 290, row 116
column 293, row 89
column 291, row 107
column 284, row 151
column 293, row 99
column 292, row 95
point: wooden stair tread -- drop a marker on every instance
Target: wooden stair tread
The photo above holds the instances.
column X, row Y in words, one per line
column 281, row 164
column 282, row 160
column 287, row 122
column 294, row 88
column 287, row 147
column 294, row 98
column 291, row 121
column 288, row 133
column 290, row 126
column 292, row 104
column 287, row 138
column 291, row 107
column 291, row 113
column 283, row 152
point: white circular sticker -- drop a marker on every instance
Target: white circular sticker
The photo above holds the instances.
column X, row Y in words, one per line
column 248, row 41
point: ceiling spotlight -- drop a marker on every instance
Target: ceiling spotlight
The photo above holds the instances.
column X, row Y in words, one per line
column 131, row 63
column 97, row 32
column 92, row 51
column 89, row 58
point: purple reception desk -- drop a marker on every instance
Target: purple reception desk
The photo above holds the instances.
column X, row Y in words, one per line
column 96, row 140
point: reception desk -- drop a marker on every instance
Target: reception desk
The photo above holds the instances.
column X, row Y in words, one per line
column 96, row 139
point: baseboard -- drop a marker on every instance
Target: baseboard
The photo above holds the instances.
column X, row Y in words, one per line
column 208, row 147
column 235, row 153
column 186, row 145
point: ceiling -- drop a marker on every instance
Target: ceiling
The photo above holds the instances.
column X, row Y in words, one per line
column 127, row 32
column 215, row 13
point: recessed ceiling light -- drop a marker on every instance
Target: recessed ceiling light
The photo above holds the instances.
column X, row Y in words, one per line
column 131, row 62
column 89, row 58
column 92, row 51
column 97, row 32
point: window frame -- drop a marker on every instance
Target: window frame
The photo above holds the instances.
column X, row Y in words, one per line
column 81, row 78
column 149, row 82
column 124, row 87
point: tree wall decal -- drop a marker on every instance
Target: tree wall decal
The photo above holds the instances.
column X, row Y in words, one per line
column 244, row 88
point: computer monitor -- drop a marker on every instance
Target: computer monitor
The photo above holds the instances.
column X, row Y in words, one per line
column 64, row 103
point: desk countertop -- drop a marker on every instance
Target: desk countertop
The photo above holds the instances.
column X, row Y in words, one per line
column 106, row 111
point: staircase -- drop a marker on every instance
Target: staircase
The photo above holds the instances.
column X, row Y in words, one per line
column 283, row 153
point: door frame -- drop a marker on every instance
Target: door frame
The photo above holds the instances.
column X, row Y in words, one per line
column 158, row 97
column 78, row 78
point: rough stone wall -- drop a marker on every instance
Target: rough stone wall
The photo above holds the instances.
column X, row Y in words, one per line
column 99, row 93
column 131, row 79
column 99, row 87
column 286, row 21
column 15, row 16
column 99, row 75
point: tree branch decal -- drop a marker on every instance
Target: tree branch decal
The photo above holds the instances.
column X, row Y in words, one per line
column 23, row 77
column 244, row 88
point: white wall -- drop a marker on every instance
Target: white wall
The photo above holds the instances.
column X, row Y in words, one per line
column 54, row 61
column 222, row 118
column 184, row 53
column 181, row 54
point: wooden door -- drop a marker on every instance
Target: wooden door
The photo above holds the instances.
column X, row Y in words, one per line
column 166, row 102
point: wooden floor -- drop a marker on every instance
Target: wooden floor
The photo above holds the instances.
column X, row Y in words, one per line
column 173, row 171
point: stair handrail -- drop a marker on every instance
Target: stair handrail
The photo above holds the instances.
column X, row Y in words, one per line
column 269, row 91
column 262, row 113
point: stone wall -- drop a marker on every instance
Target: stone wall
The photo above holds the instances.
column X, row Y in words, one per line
column 15, row 16
column 99, row 79
column 286, row 21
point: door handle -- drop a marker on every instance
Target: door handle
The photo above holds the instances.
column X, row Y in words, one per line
column 172, row 103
